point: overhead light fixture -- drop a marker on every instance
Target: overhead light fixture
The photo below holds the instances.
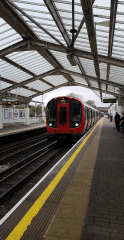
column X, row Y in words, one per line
column 24, row 36
column 72, row 59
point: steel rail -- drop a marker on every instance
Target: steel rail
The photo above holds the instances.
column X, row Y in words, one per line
column 26, row 178
column 25, row 159
column 22, row 150
column 22, row 143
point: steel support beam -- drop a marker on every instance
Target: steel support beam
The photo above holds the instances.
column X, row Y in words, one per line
column 81, row 25
column 111, row 32
column 49, row 90
column 44, row 52
column 13, row 85
column 32, row 20
column 37, row 44
column 91, row 78
column 95, row 89
column 83, row 73
column 25, row 70
column 21, row 84
column 89, row 20
column 17, row 65
column 53, row 11
column 13, row 19
column 50, row 58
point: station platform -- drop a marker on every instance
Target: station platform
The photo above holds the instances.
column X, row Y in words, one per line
column 15, row 129
column 80, row 198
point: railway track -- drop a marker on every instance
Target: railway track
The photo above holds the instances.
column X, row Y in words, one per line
column 20, row 144
column 13, row 178
column 21, row 176
column 7, row 155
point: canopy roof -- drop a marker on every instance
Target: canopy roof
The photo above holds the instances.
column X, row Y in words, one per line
column 37, row 54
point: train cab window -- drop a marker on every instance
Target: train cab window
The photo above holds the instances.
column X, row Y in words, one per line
column 52, row 113
column 63, row 115
column 75, row 113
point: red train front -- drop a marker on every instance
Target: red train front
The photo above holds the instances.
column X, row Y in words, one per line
column 65, row 118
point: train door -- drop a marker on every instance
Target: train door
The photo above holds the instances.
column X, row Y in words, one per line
column 63, row 115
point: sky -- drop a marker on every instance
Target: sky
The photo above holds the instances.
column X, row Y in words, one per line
column 85, row 92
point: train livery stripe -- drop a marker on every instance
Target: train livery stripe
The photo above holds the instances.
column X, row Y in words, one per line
column 22, row 226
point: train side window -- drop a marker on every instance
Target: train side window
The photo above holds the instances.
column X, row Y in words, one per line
column 85, row 113
column 88, row 114
column 91, row 114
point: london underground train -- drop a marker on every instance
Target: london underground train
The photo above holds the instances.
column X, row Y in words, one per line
column 68, row 118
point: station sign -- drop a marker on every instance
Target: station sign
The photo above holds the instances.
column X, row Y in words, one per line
column 109, row 100
column 16, row 114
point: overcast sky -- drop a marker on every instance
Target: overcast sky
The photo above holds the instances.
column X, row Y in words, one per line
column 85, row 92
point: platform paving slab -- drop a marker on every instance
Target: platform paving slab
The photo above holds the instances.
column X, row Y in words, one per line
column 105, row 214
column 69, row 218
column 41, row 222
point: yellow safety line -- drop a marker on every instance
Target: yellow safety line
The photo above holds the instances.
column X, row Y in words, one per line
column 18, row 130
column 22, row 226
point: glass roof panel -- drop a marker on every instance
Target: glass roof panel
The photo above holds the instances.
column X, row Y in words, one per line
column 82, row 41
column 93, row 84
column 4, row 85
column 88, row 66
column 103, row 70
column 39, row 85
column 8, row 36
column 117, row 74
column 36, row 9
column 12, row 73
column 79, row 80
column 110, row 88
column 65, row 12
column 55, row 80
column 23, row 92
column 36, row 63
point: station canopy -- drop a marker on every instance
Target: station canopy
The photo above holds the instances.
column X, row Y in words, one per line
column 42, row 48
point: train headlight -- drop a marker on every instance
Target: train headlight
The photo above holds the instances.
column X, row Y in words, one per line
column 76, row 124
column 50, row 124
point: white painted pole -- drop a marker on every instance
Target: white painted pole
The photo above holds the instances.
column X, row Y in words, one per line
column 1, row 117
column 27, row 116
column 42, row 108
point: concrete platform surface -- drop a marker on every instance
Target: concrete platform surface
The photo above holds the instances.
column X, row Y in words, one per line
column 15, row 129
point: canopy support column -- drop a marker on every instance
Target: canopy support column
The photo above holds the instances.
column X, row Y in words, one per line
column 27, row 115
column 1, row 116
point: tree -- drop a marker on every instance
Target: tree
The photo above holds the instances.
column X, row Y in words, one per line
column 32, row 111
column 91, row 103
column 76, row 95
column 38, row 109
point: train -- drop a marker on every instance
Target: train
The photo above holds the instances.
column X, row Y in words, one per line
column 67, row 118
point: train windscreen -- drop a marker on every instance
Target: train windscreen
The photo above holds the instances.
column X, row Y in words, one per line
column 75, row 111
column 52, row 111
